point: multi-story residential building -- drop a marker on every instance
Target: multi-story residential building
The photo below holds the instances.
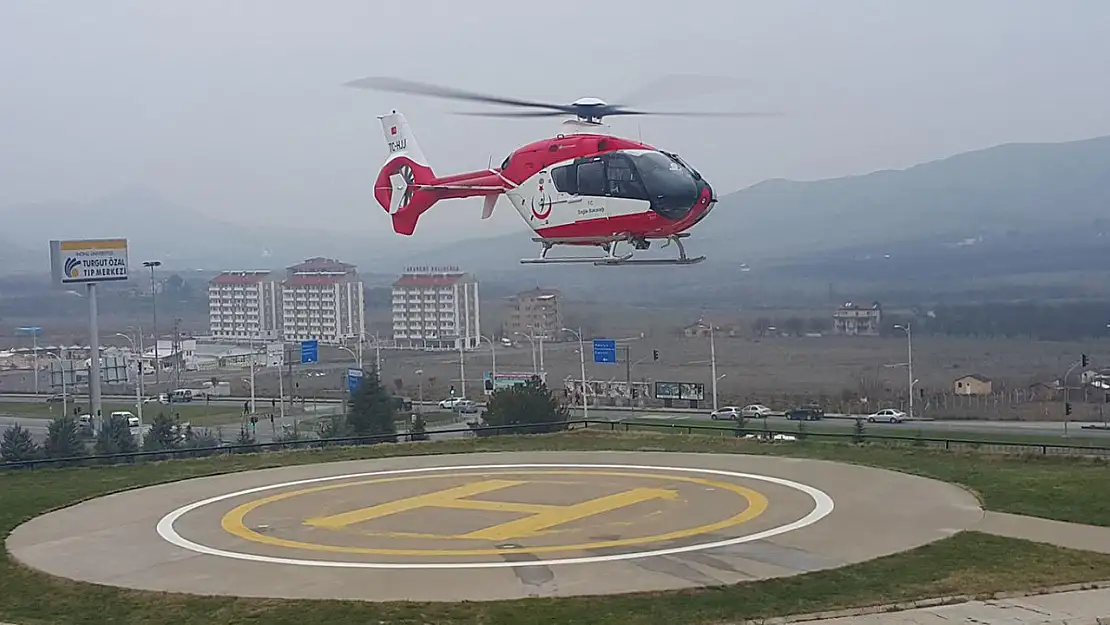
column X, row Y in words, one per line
column 244, row 306
column 436, row 308
column 536, row 312
column 322, row 300
column 853, row 320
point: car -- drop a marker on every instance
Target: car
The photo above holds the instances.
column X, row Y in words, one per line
column 810, row 412
column 887, row 415
column 726, row 413
column 465, row 406
column 758, row 411
column 449, row 403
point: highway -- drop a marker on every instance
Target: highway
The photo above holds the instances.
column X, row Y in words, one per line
column 980, row 429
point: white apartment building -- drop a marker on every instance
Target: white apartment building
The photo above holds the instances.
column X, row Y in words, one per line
column 244, row 306
column 436, row 308
column 322, row 299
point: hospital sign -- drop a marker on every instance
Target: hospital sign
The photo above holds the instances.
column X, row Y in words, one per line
column 88, row 260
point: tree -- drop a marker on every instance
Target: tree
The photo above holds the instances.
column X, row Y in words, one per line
column 115, row 438
column 18, row 445
column 162, row 434
column 63, row 439
column 370, row 412
column 760, row 326
column 530, row 405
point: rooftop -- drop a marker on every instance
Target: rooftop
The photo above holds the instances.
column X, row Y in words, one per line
column 240, row 277
column 320, row 263
column 313, row 280
column 428, row 280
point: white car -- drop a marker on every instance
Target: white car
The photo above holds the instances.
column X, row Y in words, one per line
column 887, row 415
column 755, row 410
column 726, row 413
column 450, row 402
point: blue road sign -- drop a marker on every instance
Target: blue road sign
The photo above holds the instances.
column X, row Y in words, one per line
column 605, row 350
column 310, row 352
column 354, row 378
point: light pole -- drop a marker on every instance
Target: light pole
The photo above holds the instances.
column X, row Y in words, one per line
column 34, row 332
column 713, row 363
column 542, row 373
column 138, row 375
column 582, row 363
column 420, row 390
column 151, row 264
column 492, row 351
column 462, row 370
column 909, row 362
column 532, row 342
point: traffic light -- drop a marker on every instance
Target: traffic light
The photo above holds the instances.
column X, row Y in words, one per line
column 1067, row 408
column 1084, row 360
column 655, row 354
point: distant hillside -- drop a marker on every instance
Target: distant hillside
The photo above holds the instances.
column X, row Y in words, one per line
column 158, row 228
column 1005, row 190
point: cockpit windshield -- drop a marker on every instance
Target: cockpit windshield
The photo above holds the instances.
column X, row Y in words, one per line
column 671, row 186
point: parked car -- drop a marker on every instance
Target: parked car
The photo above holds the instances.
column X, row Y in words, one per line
column 757, row 411
column 887, row 415
column 726, row 413
column 810, row 412
column 466, row 406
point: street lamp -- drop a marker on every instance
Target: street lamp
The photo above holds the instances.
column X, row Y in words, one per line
column 532, row 342
column 419, row 390
column 151, row 264
column 492, row 351
column 138, row 375
column 357, row 357
column 462, row 369
column 713, row 363
column 582, row 363
column 909, row 361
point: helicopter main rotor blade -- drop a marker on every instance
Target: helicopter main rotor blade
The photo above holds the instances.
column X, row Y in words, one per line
column 515, row 114
column 680, row 86
column 736, row 114
column 399, row 85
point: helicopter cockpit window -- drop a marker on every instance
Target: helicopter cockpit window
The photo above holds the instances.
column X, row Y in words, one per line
column 591, row 177
column 565, row 179
column 505, row 163
column 671, row 187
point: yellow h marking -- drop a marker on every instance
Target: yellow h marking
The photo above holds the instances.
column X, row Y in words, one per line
column 541, row 516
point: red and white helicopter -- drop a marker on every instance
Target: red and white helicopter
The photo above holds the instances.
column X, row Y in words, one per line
column 582, row 187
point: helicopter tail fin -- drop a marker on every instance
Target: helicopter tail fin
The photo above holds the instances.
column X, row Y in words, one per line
column 399, row 188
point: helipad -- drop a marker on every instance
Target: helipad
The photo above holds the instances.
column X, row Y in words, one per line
column 494, row 526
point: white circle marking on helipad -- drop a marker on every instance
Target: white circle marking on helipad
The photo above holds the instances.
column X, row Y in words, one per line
column 823, row 506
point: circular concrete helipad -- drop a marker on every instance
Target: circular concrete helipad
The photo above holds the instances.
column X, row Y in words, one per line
column 494, row 526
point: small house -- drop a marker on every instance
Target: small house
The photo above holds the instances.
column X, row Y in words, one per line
column 973, row 384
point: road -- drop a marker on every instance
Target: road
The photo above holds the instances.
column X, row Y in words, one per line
column 1009, row 429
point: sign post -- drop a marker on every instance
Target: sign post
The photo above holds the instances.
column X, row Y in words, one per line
column 90, row 262
column 605, row 351
column 354, row 378
column 310, row 352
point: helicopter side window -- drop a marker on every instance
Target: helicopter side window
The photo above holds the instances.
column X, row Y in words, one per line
column 591, row 178
column 623, row 179
column 565, row 179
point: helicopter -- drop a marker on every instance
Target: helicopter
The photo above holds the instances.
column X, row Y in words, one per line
column 583, row 187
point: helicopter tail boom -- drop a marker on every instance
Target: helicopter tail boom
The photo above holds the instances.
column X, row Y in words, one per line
column 407, row 187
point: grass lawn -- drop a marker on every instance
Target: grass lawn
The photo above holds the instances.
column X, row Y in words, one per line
column 196, row 413
column 926, row 429
column 968, row 563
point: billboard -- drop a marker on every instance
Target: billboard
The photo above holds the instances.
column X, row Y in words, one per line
column 680, row 390
column 667, row 390
column 492, row 383
column 88, row 261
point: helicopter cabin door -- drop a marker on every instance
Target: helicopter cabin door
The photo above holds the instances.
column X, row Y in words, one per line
column 601, row 187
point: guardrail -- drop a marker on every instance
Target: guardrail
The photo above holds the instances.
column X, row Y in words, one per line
column 774, row 436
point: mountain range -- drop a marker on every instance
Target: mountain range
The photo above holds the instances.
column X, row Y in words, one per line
column 1000, row 201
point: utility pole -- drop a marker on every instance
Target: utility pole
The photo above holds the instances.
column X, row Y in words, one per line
column 628, row 372
column 179, row 358
column 151, row 264
column 909, row 362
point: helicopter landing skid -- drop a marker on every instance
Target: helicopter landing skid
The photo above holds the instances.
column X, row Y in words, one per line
column 611, row 258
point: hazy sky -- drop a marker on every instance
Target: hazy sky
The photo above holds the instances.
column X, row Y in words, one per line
column 235, row 108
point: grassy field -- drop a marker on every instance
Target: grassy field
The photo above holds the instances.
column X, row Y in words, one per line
column 968, row 563
column 923, row 429
column 198, row 414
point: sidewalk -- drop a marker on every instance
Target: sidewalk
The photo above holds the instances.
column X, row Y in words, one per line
column 1083, row 607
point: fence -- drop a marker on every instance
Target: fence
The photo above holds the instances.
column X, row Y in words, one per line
column 757, row 434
